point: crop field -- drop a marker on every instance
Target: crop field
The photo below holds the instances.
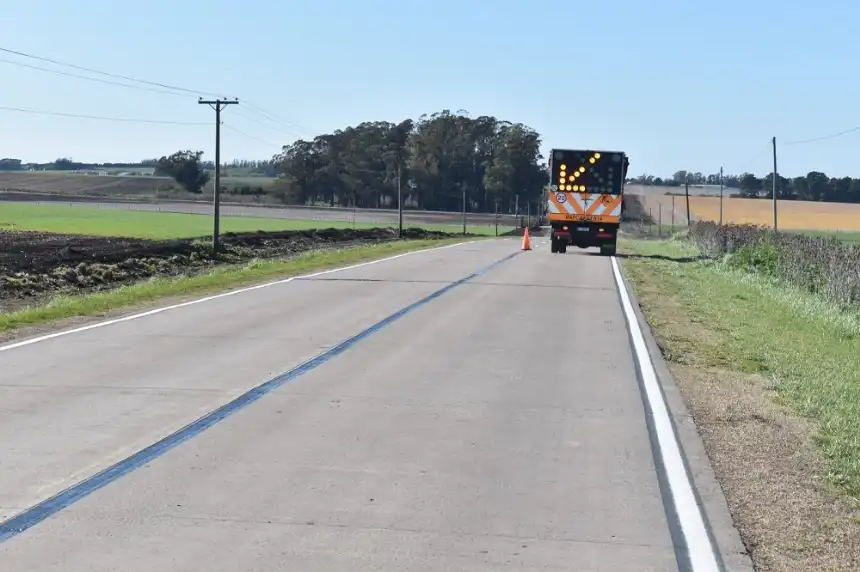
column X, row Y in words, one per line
column 810, row 217
column 165, row 225
column 792, row 215
column 107, row 185
column 47, row 250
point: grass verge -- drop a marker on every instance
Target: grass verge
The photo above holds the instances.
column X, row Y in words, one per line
column 220, row 278
column 94, row 221
column 770, row 377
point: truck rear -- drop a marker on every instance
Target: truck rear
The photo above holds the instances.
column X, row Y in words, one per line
column 585, row 198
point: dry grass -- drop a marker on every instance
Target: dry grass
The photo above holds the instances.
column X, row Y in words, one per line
column 792, row 215
column 798, row 215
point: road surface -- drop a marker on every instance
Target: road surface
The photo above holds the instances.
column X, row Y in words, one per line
column 468, row 408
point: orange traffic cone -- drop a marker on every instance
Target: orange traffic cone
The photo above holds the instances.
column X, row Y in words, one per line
column 527, row 243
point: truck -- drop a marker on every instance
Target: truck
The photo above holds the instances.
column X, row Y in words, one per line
column 585, row 198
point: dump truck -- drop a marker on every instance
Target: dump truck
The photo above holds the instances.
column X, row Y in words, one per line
column 585, row 198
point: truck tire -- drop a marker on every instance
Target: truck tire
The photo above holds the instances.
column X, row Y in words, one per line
column 562, row 248
column 607, row 250
column 553, row 245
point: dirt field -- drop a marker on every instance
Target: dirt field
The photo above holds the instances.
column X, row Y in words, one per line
column 792, row 215
column 35, row 266
column 110, row 185
column 81, row 184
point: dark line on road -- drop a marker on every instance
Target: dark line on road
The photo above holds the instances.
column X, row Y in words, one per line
column 66, row 498
column 383, row 280
column 471, row 284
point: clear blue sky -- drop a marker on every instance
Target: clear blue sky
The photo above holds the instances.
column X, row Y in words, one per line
column 677, row 84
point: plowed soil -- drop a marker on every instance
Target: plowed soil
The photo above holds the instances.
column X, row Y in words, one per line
column 35, row 266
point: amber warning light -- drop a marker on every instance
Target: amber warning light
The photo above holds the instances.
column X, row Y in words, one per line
column 587, row 171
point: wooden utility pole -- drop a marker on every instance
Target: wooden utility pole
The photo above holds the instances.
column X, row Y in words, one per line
column 775, row 175
column 464, row 209
column 399, row 205
column 217, row 105
column 687, row 193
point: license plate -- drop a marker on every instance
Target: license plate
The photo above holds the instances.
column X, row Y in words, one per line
column 583, row 229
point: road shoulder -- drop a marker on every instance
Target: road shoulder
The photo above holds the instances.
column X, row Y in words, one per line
column 710, row 494
column 747, row 358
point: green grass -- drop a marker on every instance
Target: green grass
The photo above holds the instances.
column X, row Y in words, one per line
column 808, row 348
column 161, row 225
column 852, row 237
column 218, row 279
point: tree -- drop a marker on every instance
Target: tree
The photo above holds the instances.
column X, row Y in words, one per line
column 185, row 168
column 438, row 157
column 750, row 185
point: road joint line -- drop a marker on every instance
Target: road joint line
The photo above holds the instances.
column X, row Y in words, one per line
column 37, row 513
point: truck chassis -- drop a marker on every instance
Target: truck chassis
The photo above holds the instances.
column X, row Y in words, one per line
column 583, row 234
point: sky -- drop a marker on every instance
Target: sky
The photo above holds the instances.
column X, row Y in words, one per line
column 675, row 84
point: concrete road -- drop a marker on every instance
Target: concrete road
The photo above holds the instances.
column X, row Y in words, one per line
column 467, row 408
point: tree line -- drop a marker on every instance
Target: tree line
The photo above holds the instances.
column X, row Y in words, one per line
column 814, row 186
column 436, row 162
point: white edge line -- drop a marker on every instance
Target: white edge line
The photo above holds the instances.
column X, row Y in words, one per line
column 130, row 317
column 701, row 552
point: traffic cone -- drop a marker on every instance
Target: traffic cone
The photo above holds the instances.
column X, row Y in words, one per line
column 527, row 243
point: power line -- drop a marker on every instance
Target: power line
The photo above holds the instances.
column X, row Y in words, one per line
column 255, row 108
column 79, row 76
column 107, row 74
column 755, row 158
column 291, row 133
column 249, row 136
column 273, row 117
column 831, row 136
column 99, row 117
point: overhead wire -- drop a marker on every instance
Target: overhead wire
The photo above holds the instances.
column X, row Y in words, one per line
column 823, row 138
column 79, row 76
column 100, row 117
column 249, row 136
column 755, row 158
column 165, row 89
column 108, row 74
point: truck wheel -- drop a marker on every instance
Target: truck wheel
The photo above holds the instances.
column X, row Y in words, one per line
column 562, row 248
column 607, row 250
column 553, row 246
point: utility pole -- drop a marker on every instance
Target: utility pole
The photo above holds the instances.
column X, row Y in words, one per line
column 775, row 175
column 687, row 192
column 399, row 205
column 497, row 217
column 217, row 105
column 721, row 196
column 464, row 209
column 673, row 212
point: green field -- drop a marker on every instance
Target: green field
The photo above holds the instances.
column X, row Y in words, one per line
column 160, row 225
column 851, row 237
